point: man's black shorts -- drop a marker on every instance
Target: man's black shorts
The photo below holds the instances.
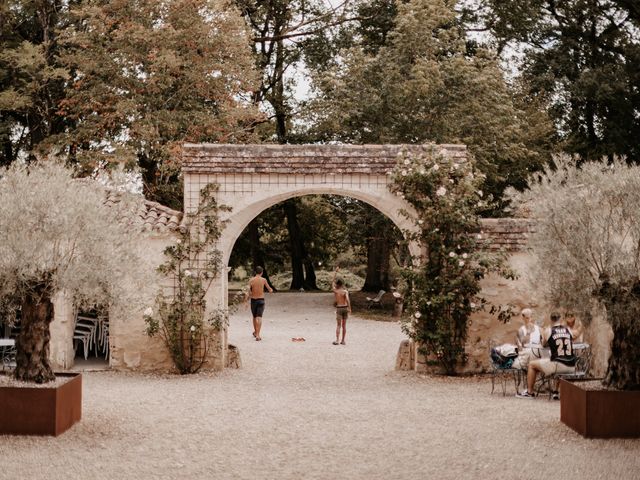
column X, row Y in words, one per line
column 257, row 307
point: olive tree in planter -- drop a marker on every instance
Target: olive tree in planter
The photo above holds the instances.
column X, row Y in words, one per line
column 587, row 251
column 57, row 234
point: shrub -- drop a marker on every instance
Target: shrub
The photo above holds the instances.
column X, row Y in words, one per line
column 443, row 286
column 192, row 264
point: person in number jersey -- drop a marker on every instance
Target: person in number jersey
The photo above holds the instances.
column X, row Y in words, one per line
column 257, row 284
column 558, row 339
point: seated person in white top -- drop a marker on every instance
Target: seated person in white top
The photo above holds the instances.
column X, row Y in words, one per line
column 575, row 327
column 528, row 334
column 558, row 339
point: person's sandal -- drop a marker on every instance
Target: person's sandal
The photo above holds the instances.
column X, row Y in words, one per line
column 336, row 343
column 258, row 339
column 342, row 343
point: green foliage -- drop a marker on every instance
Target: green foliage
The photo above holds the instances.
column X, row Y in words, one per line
column 148, row 75
column 443, row 286
column 587, row 250
column 582, row 57
column 32, row 80
column 425, row 85
column 192, row 264
column 324, row 279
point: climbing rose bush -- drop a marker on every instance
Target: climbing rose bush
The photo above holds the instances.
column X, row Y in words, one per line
column 192, row 263
column 444, row 285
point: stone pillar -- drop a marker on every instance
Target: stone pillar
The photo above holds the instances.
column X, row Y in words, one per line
column 406, row 359
column 61, row 353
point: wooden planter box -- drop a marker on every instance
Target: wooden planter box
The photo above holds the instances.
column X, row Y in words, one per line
column 41, row 411
column 600, row 413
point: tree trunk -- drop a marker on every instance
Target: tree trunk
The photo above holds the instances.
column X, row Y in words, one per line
column 378, row 254
column 309, row 275
column 257, row 257
column 622, row 304
column 623, row 369
column 295, row 240
column 32, row 358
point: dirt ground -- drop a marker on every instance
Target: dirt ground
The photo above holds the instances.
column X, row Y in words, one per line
column 311, row 410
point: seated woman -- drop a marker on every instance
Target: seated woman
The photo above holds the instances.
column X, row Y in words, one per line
column 528, row 340
column 575, row 327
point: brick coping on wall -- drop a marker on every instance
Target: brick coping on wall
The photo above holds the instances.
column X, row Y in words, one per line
column 303, row 159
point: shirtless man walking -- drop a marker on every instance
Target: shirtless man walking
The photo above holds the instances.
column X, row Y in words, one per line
column 257, row 284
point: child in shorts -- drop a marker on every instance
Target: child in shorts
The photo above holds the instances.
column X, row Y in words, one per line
column 343, row 307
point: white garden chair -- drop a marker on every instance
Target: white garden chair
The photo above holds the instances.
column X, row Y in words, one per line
column 375, row 301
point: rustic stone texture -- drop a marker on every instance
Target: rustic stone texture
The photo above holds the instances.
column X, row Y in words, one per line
column 233, row 359
column 306, row 159
column 505, row 234
column 406, row 359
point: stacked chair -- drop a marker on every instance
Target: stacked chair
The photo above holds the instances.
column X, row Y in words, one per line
column 93, row 333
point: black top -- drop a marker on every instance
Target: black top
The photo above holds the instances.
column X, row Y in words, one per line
column 561, row 345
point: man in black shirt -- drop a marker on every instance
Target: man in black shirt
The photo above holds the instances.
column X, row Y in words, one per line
column 558, row 339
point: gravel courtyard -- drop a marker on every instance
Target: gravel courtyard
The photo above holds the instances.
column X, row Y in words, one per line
column 311, row 410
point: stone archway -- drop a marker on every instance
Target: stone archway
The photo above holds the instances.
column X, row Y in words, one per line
column 254, row 177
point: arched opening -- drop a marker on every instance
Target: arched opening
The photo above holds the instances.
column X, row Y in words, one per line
column 296, row 313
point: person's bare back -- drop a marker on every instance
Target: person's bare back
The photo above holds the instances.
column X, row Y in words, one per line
column 256, row 287
column 343, row 307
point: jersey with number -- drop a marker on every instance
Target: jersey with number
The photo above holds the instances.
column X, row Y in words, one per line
column 561, row 345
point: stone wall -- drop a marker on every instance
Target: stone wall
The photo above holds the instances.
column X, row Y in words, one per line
column 486, row 330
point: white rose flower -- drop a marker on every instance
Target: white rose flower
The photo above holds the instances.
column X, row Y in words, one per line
column 464, row 255
column 479, row 236
column 420, row 222
column 452, row 254
column 178, row 241
column 441, row 192
column 451, row 180
column 422, row 171
column 429, row 303
column 472, row 305
column 187, row 273
column 404, row 173
column 461, row 263
column 480, row 193
column 436, row 167
column 193, row 328
column 407, row 161
column 417, row 314
column 455, row 166
column 148, row 312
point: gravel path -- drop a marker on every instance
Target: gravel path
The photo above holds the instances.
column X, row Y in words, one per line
column 311, row 410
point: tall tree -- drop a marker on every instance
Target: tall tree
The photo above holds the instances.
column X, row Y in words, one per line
column 32, row 81
column 148, row 75
column 282, row 31
column 583, row 57
column 426, row 82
